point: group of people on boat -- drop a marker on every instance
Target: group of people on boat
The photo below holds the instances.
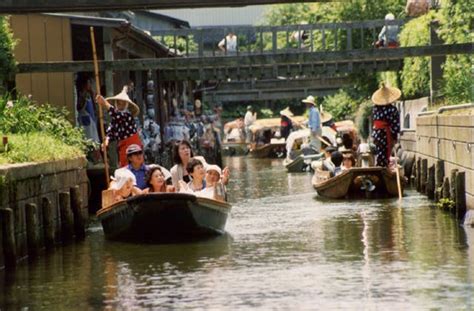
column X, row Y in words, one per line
column 386, row 127
column 190, row 174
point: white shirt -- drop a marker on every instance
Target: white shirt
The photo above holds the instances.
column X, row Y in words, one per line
column 230, row 43
column 249, row 118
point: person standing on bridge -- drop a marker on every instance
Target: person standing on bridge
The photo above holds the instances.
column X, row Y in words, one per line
column 229, row 43
column 386, row 119
column 388, row 36
column 314, row 123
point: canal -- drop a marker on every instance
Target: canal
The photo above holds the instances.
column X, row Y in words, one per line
column 285, row 249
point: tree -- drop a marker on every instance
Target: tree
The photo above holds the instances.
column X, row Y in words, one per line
column 7, row 61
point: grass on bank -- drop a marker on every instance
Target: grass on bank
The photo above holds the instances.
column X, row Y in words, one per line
column 36, row 147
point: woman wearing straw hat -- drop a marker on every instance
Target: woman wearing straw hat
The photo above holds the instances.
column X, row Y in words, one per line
column 386, row 122
column 314, row 122
column 286, row 125
column 122, row 126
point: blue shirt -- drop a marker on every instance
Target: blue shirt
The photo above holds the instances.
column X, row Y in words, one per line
column 314, row 122
column 139, row 175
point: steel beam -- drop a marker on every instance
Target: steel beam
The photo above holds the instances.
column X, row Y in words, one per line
column 278, row 84
column 252, row 61
column 30, row 6
column 262, row 95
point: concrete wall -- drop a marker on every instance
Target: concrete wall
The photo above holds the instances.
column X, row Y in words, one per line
column 447, row 136
column 30, row 183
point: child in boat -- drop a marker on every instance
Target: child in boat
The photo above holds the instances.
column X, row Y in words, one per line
column 156, row 180
column 348, row 161
column 336, row 159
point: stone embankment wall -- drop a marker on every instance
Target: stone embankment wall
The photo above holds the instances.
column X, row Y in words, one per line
column 443, row 142
column 42, row 205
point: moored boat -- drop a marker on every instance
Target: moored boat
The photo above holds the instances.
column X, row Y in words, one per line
column 234, row 148
column 268, row 150
column 161, row 217
column 357, row 182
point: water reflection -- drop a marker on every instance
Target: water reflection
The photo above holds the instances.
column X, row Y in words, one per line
column 286, row 249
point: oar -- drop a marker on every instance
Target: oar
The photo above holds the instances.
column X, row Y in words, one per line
column 101, row 115
column 323, row 140
column 397, row 171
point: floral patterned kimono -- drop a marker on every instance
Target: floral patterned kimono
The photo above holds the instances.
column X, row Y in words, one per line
column 386, row 119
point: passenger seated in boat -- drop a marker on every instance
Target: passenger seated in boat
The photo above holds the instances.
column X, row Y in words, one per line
column 336, row 159
column 156, row 181
column 182, row 155
column 365, row 157
column 214, row 183
column 197, row 171
column 348, row 161
column 123, row 185
column 328, row 165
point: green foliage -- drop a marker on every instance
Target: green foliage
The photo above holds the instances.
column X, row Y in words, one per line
column 24, row 117
column 456, row 18
column 7, row 43
column 415, row 75
column 445, row 203
column 180, row 44
column 37, row 147
column 340, row 105
column 362, row 118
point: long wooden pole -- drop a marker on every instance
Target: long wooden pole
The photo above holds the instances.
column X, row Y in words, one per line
column 101, row 114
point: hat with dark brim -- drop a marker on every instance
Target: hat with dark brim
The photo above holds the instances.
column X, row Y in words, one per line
column 134, row 110
column 386, row 95
column 309, row 100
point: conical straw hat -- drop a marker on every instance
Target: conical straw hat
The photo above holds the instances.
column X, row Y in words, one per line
column 286, row 112
column 386, row 95
column 134, row 110
column 325, row 117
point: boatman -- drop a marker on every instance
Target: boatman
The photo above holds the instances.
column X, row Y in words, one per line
column 250, row 118
column 386, row 120
column 314, row 123
column 122, row 126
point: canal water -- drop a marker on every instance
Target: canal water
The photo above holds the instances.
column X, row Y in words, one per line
column 285, row 249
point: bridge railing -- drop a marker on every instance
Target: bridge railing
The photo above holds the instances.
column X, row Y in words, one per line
column 204, row 41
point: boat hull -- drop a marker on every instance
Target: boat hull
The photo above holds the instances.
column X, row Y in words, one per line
column 234, row 149
column 297, row 165
column 349, row 184
column 268, row 150
column 162, row 217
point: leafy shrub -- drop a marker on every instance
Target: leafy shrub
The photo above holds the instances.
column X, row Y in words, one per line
column 415, row 75
column 341, row 105
column 362, row 118
column 7, row 62
column 24, row 117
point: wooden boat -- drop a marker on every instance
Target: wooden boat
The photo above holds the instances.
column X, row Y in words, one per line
column 300, row 163
column 234, row 148
column 357, row 183
column 267, row 150
column 159, row 217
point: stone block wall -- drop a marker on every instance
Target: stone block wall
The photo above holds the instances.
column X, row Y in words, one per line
column 447, row 136
column 31, row 183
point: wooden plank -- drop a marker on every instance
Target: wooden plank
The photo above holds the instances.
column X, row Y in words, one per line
column 26, row 6
column 37, row 38
column 258, row 59
column 54, row 52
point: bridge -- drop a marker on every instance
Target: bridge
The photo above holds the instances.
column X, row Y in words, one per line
column 267, row 64
column 29, row 6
